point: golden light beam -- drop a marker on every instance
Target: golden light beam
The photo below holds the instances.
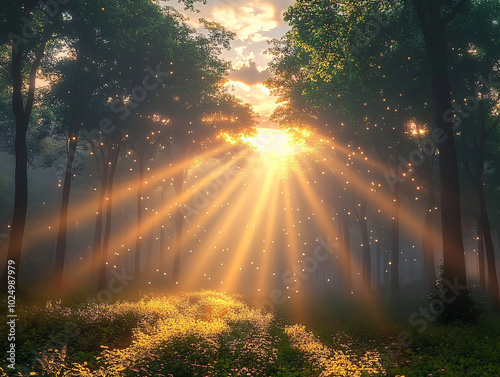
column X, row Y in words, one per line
column 324, row 222
column 222, row 223
column 407, row 220
column 294, row 256
column 225, row 190
column 356, row 155
column 84, row 212
column 268, row 258
column 127, row 237
column 202, row 260
column 324, row 219
column 241, row 255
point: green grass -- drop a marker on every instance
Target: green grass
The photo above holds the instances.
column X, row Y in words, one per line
column 407, row 350
column 213, row 334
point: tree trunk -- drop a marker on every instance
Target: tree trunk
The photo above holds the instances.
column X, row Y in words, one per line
column 428, row 250
column 379, row 256
column 179, row 221
column 20, row 206
column 162, row 232
column 490, row 251
column 140, row 185
column 63, row 216
column 68, row 176
column 434, row 31
column 367, row 264
column 22, row 114
column 97, row 249
column 346, row 262
column 480, row 252
column 113, row 159
column 427, row 234
column 395, row 291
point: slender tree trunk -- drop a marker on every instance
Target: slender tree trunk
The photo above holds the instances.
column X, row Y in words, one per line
column 428, row 250
column 140, row 185
column 498, row 237
column 113, row 159
column 22, row 114
column 162, row 231
column 434, row 31
column 20, row 206
column 386, row 258
column 179, row 221
column 379, row 256
column 395, row 291
column 346, row 265
column 68, row 176
column 480, row 252
column 490, row 251
column 411, row 268
column 427, row 234
column 97, row 249
column 367, row 264
column 63, row 216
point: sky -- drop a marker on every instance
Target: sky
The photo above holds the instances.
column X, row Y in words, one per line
column 255, row 22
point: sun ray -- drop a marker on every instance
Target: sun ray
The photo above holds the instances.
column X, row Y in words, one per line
column 243, row 200
column 299, row 275
column 210, row 207
column 84, row 212
column 126, row 236
column 357, row 155
column 224, row 198
column 241, row 254
column 407, row 220
column 268, row 257
column 324, row 220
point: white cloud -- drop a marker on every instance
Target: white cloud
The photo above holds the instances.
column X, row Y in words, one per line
column 258, row 96
column 250, row 74
column 246, row 19
column 257, row 37
column 255, row 22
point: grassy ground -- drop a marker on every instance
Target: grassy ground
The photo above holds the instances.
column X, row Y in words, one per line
column 406, row 336
column 212, row 334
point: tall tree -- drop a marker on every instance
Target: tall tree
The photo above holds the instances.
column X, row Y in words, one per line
column 434, row 29
column 474, row 77
column 26, row 28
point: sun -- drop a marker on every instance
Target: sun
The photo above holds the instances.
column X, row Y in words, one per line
column 274, row 143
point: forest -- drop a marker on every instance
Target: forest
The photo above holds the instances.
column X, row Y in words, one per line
column 264, row 188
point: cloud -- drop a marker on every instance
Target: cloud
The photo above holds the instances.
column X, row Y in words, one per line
column 254, row 22
column 242, row 58
column 250, row 74
column 246, row 19
column 259, row 38
column 257, row 95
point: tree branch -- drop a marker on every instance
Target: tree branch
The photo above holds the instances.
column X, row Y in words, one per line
column 32, row 78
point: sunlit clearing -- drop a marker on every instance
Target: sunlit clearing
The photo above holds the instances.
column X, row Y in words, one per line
column 273, row 143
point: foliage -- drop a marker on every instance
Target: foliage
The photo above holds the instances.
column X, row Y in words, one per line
column 457, row 308
column 213, row 334
column 197, row 334
column 452, row 351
